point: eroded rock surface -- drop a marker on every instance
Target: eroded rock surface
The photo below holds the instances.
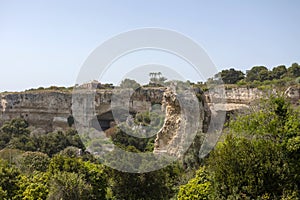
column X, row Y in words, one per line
column 185, row 116
column 293, row 93
column 50, row 109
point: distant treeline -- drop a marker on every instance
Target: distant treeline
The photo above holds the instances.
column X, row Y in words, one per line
column 259, row 74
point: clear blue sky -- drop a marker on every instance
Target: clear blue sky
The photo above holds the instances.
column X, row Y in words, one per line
column 44, row 43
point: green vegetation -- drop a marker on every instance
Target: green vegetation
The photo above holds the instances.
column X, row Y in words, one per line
column 53, row 168
column 156, row 79
column 197, row 188
column 230, row 76
column 16, row 135
column 257, row 77
column 128, row 83
column 257, row 159
column 51, row 88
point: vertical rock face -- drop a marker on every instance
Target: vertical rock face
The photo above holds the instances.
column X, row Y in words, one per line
column 41, row 109
column 239, row 95
column 293, row 93
column 171, row 128
column 50, row 109
column 185, row 116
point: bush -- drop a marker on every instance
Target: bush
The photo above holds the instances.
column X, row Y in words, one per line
column 259, row 159
column 68, row 185
column 297, row 80
column 197, row 188
column 9, row 178
column 33, row 161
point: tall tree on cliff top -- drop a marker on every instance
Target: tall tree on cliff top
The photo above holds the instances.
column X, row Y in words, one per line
column 231, row 76
column 279, row 72
column 294, row 70
column 157, row 78
column 257, row 73
column 128, row 83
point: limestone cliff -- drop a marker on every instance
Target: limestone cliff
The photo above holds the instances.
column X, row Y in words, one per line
column 49, row 109
column 185, row 115
column 41, row 109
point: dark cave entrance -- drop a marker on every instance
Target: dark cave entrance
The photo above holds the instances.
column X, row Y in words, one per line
column 103, row 121
column 108, row 119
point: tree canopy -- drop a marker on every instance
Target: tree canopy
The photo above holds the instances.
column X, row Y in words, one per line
column 258, row 158
column 231, row 76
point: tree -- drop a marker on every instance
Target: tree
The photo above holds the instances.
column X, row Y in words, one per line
column 29, row 162
column 55, row 142
column 279, row 72
column 197, row 188
column 68, row 185
column 258, row 73
column 16, row 127
column 83, row 173
column 15, row 133
column 128, row 83
column 145, row 186
column 4, row 139
column 71, row 152
column 22, row 142
column 9, row 177
column 156, row 78
column 249, row 168
column 264, row 75
column 34, row 186
column 3, row 194
column 294, row 70
column 70, row 120
column 231, row 76
column 259, row 158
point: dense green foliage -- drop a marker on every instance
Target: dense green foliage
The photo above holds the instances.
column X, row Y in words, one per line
column 258, row 158
column 161, row 184
column 64, row 178
column 197, row 188
column 230, row 76
column 9, row 180
column 257, row 73
column 15, row 134
column 258, row 76
column 261, row 73
column 128, row 83
column 54, row 168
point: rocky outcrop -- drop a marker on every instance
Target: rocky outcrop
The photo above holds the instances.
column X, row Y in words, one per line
column 184, row 117
column 50, row 110
column 239, row 95
column 293, row 93
column 41, row 109
column 235, row 98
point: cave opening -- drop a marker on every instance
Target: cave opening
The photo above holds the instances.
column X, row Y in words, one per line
column 109, row 119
